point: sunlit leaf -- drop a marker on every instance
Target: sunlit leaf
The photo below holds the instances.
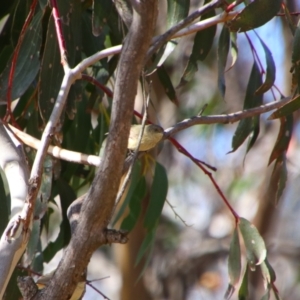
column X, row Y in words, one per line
column 233, row 49
column 254, row 243
column 177, row 10
column 255, row 14
column 161, row 56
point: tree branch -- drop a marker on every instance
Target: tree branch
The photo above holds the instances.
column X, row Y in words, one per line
column 96, row 212
column 223, row 119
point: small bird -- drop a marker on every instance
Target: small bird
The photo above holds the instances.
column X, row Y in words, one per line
column 152, row 135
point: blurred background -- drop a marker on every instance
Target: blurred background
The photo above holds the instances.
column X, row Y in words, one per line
column 189, row 257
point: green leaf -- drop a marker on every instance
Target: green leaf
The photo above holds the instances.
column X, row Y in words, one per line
column 67, row 196
column 229, row 292
column 5, row 205
column 287, row 109
column 254, row 243
column 271, row 70
column 255, row 133
column 147, row 242
column 202, row 44
column 90, row 43
column 283, row 138
column 51, row 73
column 161, row 56
column 268, row 273
column 177, row 10
column 296, row 58
column 223, row 49
column 12, row 291
column 233, row 49
column 135, row 181
column 158, row 196
column 167, row 84
column 279, row 177
column 32, row 243
column 266, row 296
column 255, row 14
column 135, row 206
column 243, row 291
column 234, row 259
column 246, row 126
column 296, row 46
column 100, row 13
column 28, row 63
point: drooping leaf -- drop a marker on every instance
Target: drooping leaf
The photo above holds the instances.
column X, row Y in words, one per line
column 161, row 56
column 243, row 291
column 255, row 14
column 234, row 264
column 246, row 126
column 266, row 296
column 135, row 179
column 255, row 133
column 12, row 290
column 268, row 273
column 158, row 196
column 28, row 63
column 283, row 138
column 167, row 84
column 289, row 19
column 202, row 44
column 51, row 73
column 296, row 58
column 234, row 259
column 135, row 206
column 147, row 242
column 5, row 205
column 99, row 16
column 279, row 177
column 90, row 43
column 177, row 10
column 254, row 243
column 271, row 70
column 223, row 49
column 233, row 49
column 286, row 109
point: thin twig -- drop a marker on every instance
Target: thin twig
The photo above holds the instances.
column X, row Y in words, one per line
column 224, row 119
column 59, row 34
column 177, row 215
